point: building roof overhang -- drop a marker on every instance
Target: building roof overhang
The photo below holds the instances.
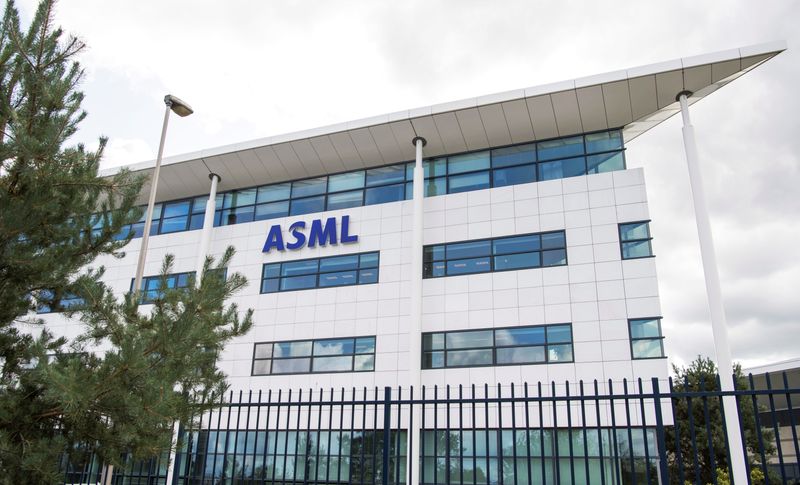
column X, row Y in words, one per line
column 635, row 100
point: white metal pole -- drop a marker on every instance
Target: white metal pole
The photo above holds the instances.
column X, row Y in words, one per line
column 137, row 282
column 208, row 227
column 415, row 327
column 713, row 289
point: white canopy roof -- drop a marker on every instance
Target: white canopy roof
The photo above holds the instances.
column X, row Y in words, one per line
column 635, row 99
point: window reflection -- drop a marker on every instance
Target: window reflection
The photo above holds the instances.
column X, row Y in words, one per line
column 314, row 356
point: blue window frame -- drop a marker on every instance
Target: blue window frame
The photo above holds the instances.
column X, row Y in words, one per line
column 497, row 254
column 500, row 346
column 304, row 274
column 498, row 167
column 57, row 304
column 647, row 341
column 634, row 240
column 349, row 354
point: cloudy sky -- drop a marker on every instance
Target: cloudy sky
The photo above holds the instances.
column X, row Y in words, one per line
column 255, row 69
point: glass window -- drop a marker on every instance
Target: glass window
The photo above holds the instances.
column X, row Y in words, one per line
column 517, row 244
column 307, row 205
column 174, row 209
column 468, row 266
column 635, row 240
column 513, row 176
column 309, row 356
column 502, row 346
column 174, row 224
column 272, row 193
column 604, row 142
column 468, row 182
column 151, row 285
column 308, row 187
column 237, row 215
column 434, row 168
column 647, row 341
column 437, row 186
column 382, row 195
column 517, row 261
column 570, row 167
column 470, row 248
column 386, row 175
column 240, row 198
column 560, row 148
column 469, row 162
column 515, row 155
column 271, row 210
column 346, row 181
column 320, row 272
column 344, row 200
column 607, row 162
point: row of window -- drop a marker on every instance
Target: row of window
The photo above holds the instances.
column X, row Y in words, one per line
column 497, row 254
column 439, row 260
column 516, row 164
column 539, row 344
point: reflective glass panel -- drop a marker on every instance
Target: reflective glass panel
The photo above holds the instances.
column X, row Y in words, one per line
column 434, row 168
column 561, row 148
column 272, row 193
column 334, row 347
column 437, row 186
column 555, row 257
column 430, row 270
column 196, row 222
column 519, row 336
column 241, row 197
column 433, row 341
column 433, row 360
column 637, row 230
column 521, row 355
column 369, row 260
column 363, row 363
column 345, row 199
column 238, row 215
column 381, row 195
column 559, row 353
column 332, row 364
column 457, row 358
column 270, row 286
column 469, row 162
column 307, row 187
column 307, row 206
column 272, row 210
column 199, row 205
column 261, row 367
column 518, row 244
column 346, row 181
column 553, row 240
column 292, row 268
column 506, row 157
column 272, row 270
column 174, row 209
column 475, row 338
column 367, row 276
column 291, row 349
column 173, row 224
column 291, row 366
column 338, row 279
column 433, row 253
column 467, row 266
column 517, row 261
column 639, row 249
column 365, row 345
column 559, row 334
column 571, row 167
column 603, row 142
column 298, row 282
column 645, row 328
column 647, row 349
column 469, row 249
column 386, row 175
column 607, row 162
column 468, row 182
column 515, row 175
column 338, row 263
column 263, row 351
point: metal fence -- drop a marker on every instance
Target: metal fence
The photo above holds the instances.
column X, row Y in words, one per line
column 643, row 432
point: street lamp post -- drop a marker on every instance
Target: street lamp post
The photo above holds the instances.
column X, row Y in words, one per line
column 181, row 109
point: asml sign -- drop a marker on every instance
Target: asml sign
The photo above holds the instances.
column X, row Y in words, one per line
column 321, row 233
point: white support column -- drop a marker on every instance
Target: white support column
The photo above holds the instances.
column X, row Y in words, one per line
column 415, row 324
column 719, row 325
column 208, row 227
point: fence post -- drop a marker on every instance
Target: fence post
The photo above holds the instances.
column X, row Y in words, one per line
column 662, row 443
column 387, row 432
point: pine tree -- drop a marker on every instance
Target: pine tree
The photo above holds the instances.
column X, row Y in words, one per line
column 56, row 217
column 701, row 376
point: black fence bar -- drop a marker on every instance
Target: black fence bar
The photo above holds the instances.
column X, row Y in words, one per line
column 614, row 433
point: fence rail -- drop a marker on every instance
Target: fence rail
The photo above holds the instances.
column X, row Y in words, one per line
column 642, row 432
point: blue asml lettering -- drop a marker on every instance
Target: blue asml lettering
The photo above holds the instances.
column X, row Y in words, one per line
column 321, row 233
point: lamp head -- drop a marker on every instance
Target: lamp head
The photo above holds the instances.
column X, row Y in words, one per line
column 178, row 106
